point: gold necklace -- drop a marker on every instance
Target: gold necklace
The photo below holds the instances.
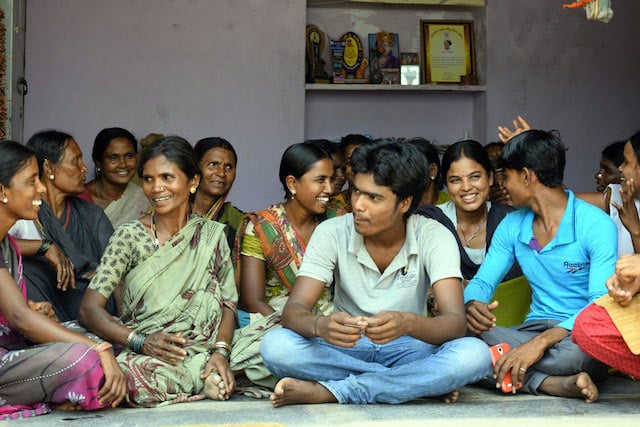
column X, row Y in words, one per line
column 474, row 235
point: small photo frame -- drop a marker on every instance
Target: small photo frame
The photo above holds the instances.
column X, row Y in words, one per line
column 409, row 58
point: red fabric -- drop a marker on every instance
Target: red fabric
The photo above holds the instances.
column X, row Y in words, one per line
column 86, row 196
column 596, row 335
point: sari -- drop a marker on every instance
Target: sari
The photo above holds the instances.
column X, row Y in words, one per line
column 82, row 233
column 225, row 213
column 282, row 251
column 131, row 205
column 34, row 377
column 180, row 287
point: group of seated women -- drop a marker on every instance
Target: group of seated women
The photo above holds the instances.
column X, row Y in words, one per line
column 173, row 304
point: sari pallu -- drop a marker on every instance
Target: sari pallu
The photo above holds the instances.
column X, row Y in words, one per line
column 283, row 251
column 131, row 205
column 33, row 377
column 182, row 288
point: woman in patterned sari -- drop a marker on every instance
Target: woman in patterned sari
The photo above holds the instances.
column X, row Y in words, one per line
column 218, row 161
column 66, row 370
column 178, row 293
column 275, row 238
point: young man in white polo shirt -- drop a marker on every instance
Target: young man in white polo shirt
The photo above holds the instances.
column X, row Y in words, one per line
column 378, row 346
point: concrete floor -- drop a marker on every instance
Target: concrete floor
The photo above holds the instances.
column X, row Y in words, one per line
column 619, row 406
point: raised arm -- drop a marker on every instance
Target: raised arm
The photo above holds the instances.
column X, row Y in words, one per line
column 519, row 125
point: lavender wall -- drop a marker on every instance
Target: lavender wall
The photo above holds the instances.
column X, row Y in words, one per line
column 563, row 72
column 195, row 68
column 235, row 69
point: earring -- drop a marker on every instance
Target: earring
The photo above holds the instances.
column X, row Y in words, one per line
column 4, row 198
column 293, row 195
column 98, row 169
column 193, row 189
column 51, row 177
column 433, row 177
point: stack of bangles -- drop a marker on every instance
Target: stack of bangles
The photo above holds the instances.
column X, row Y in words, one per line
column 135, row 341
column 223, row 348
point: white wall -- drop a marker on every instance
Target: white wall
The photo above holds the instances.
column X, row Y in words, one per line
column 194, row 68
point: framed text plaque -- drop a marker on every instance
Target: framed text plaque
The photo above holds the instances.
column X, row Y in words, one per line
column 447, row 51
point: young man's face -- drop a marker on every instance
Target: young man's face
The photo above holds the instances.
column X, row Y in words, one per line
column 375, row 208
column 514, row 184
column 630, row 169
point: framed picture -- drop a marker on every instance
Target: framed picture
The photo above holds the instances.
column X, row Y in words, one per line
column 447, row 50
column 384, row 61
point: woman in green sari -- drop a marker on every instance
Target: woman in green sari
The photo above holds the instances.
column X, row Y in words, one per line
column 178, row 293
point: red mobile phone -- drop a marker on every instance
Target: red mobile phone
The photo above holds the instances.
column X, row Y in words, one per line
column 497, row 351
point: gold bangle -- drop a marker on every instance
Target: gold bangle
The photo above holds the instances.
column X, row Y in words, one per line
column 223, row 344
column 101, row 346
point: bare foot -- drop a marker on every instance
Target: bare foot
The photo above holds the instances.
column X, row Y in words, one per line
column 214, row 387
column 450, row 397
column 578, row 385
column 68, row 406
column 290, row 391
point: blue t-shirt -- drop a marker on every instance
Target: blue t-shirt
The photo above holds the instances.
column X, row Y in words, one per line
column 566, row 275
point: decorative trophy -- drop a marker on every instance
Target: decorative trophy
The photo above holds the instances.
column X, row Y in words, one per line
column 315, row 64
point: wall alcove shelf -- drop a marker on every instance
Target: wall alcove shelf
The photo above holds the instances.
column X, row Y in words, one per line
column 439, row 112
column 395, row 87
column 467, row 3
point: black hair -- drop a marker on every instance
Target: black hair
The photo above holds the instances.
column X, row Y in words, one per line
column 431, row 155
column 325, row 144
column 175, row 149
column 615, row 152
column 635, row 144
column 471, row 150
column 13, row 158
column 393, row 164
column 353, row 139
column 104, row 138
column 48, row 145
column 206, row 144
column 297, row 159
column 542, row 152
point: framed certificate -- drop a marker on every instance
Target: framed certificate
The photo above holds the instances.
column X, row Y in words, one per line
column 447, row 50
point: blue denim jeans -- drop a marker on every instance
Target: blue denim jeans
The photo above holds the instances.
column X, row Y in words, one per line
column 396, row 372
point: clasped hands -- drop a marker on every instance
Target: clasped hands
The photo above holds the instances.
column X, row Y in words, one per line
column 343, row 330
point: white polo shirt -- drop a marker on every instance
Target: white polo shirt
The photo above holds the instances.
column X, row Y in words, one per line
column 337, row 252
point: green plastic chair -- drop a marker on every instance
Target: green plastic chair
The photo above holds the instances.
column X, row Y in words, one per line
column 514, row 298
